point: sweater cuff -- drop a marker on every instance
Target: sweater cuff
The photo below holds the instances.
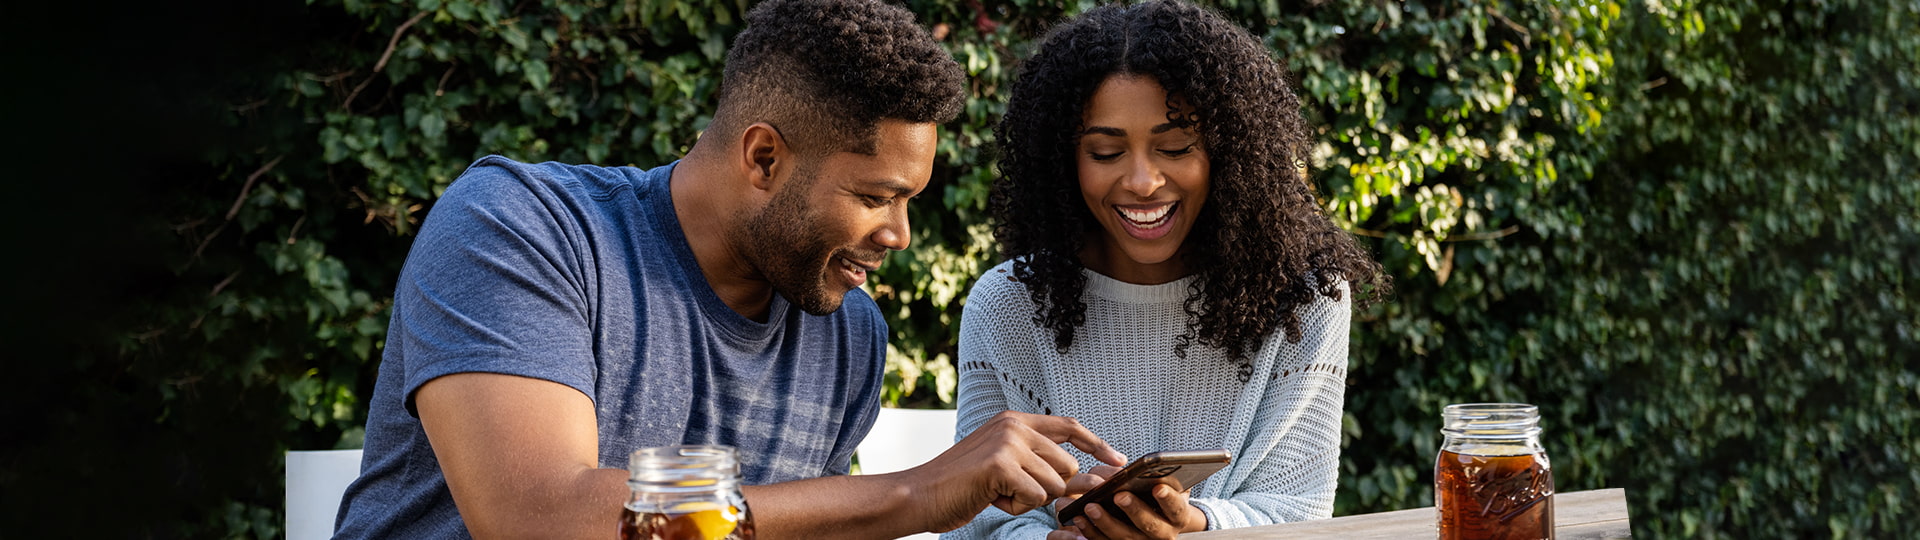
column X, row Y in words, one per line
column 1213, row 517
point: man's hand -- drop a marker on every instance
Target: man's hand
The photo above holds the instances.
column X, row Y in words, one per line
column 1013, row 462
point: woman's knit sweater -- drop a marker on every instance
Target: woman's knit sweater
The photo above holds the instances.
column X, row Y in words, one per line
column 1122, row 379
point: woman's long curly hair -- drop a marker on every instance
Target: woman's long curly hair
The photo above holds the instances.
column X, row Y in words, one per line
column 1261, row 247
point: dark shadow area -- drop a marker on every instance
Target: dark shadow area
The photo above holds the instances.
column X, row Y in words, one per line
column 112, row 116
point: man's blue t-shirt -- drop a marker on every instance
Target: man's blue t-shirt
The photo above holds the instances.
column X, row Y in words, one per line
column 581, row 275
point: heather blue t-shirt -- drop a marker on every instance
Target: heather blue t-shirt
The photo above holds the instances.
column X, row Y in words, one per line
column 581, row 275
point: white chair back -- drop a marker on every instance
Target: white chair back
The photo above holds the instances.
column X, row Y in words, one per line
column 905, row 438
column 315, row 481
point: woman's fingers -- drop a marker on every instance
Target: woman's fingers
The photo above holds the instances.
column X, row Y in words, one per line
column 1111, row 520
column 1082, row 483
column 1147, row 520
column 1089, row 529
column 1178, row 511
column 1068, row 532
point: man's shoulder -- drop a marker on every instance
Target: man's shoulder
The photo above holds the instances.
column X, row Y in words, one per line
column 496, row 175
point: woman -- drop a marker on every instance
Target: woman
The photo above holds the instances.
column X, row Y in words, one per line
column 1172, row 283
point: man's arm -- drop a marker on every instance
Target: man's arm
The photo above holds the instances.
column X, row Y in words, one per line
column 521, row 458
column 1013, row 462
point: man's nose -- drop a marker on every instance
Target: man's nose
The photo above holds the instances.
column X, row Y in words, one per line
column 897, row 233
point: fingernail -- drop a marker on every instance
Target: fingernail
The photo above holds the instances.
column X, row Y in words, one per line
column 1124, row 499
column 1094, row 510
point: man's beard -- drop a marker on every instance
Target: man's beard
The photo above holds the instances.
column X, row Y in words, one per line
column 785, row 243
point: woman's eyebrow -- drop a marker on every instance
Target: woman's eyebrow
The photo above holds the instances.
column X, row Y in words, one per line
column 1117, row 132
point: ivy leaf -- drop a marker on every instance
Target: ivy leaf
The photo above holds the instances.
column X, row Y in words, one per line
column 537, row 74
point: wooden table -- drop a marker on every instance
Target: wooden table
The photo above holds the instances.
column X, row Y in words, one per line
column 1580, row 515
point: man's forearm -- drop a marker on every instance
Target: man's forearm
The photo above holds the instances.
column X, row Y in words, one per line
column 876, row 506
column 833, row 506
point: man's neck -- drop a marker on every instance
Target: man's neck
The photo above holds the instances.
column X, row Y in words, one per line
column 706, row 205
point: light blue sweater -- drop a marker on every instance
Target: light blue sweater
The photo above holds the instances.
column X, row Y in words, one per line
column 1122, row 380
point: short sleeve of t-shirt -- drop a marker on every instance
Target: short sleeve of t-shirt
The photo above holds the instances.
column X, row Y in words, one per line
column 495, row 286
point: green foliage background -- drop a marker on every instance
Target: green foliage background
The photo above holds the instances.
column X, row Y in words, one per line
column 1687, row 230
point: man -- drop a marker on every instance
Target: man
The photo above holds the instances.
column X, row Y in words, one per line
column 552, row 318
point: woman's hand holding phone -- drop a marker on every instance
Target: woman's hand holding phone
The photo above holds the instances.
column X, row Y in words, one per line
column 1081, row 483
column 1168, row 518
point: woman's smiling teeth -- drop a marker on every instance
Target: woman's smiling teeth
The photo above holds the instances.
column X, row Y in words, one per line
column 1148, row 218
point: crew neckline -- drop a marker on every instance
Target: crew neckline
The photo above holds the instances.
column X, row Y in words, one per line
column 1131, row 293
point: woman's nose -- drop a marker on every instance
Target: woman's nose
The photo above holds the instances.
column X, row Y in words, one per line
column 1143, row 178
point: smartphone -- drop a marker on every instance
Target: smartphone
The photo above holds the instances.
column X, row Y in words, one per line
column 1179, row 469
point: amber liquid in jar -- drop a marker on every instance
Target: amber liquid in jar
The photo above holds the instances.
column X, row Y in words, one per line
column 712, row 524
column 1494, row 497
column 1492, row 479
column 685, row 493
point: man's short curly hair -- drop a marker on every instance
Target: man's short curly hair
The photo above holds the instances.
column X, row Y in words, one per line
column 825, row 72
column 1261, row 248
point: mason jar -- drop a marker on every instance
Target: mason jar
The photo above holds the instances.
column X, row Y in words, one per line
column 685, row 493
column 1492, row 480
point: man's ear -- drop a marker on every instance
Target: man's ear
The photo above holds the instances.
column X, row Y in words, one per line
column 764, row 155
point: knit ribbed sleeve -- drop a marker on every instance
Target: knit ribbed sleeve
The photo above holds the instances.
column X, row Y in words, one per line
column 1122, row 380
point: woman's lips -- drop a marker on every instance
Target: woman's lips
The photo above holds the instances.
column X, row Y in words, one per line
column 1147, row 223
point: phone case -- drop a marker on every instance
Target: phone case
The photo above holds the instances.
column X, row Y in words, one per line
column 1179, row 469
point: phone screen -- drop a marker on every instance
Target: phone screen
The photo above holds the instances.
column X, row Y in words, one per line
column 1180, row 470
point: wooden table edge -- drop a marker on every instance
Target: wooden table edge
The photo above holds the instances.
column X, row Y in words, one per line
column 1604, row 514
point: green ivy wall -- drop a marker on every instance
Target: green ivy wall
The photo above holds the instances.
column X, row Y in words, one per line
column 1687, row 230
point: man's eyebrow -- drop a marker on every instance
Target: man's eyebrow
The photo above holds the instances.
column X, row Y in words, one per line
column 898, row 187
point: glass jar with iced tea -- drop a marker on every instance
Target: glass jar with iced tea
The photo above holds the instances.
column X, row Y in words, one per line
column 1492, row 480
column 685, row 493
